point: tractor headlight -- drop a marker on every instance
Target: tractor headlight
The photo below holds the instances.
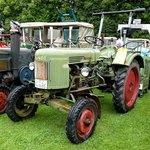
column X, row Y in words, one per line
column 31, row 66
column 85, row 71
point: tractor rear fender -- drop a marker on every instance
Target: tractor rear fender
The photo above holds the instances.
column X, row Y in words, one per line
column 134, row 56
column 96, row 99
column 124, row 58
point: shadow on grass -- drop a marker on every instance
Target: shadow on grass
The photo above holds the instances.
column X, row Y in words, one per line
column 48, row 115
column 106, row 102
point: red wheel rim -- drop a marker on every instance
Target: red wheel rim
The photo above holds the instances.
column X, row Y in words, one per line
column 85, row 122
column 3, row 98
column 131, row 86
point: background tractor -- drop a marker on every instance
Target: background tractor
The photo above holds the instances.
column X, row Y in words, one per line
column 120, row 66
column 69, row 73
column 16, row 56
column 13, row 61
column 142, row 45
column 4, row 39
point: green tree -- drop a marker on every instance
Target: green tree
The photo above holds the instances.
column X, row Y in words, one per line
column 45, row 10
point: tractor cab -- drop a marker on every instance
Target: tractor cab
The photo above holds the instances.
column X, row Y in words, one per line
column 69, row 34
column 58, row 34
column 33, row 32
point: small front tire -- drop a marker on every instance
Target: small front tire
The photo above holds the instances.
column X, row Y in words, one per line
column 16, row 109
column 82, row 120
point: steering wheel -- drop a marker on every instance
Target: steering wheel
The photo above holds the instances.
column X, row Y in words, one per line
column 36, row 43
column 94, row 40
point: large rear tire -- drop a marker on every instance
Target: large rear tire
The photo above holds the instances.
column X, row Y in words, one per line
column 4, row 92
column 81, row 120
column 126, row 87
column 16, row 109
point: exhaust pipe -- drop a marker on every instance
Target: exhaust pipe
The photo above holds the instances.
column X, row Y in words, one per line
column 15, row 34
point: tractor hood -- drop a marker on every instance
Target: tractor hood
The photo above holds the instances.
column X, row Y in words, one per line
column 73, row 55
column 107, row 52
column 52, row 65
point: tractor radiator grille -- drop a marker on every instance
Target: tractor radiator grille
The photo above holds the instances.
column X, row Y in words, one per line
column 41, row 70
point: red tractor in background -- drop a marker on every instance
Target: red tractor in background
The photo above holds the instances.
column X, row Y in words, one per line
column 4, row 40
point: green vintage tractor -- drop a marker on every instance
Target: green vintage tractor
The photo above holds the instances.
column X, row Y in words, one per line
column 142, row 45
column 70, row 72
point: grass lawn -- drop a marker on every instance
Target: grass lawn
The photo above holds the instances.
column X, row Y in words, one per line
column 46, row 130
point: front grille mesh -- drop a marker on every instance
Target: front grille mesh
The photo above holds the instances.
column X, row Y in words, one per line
column 41, row 70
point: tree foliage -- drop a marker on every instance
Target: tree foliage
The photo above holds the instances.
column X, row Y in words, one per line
column 45, row 10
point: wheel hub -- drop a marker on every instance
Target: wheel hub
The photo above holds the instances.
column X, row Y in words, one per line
column 131, row 86
column 85, row 122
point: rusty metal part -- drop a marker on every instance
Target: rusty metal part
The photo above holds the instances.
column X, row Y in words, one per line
column 59, row 104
